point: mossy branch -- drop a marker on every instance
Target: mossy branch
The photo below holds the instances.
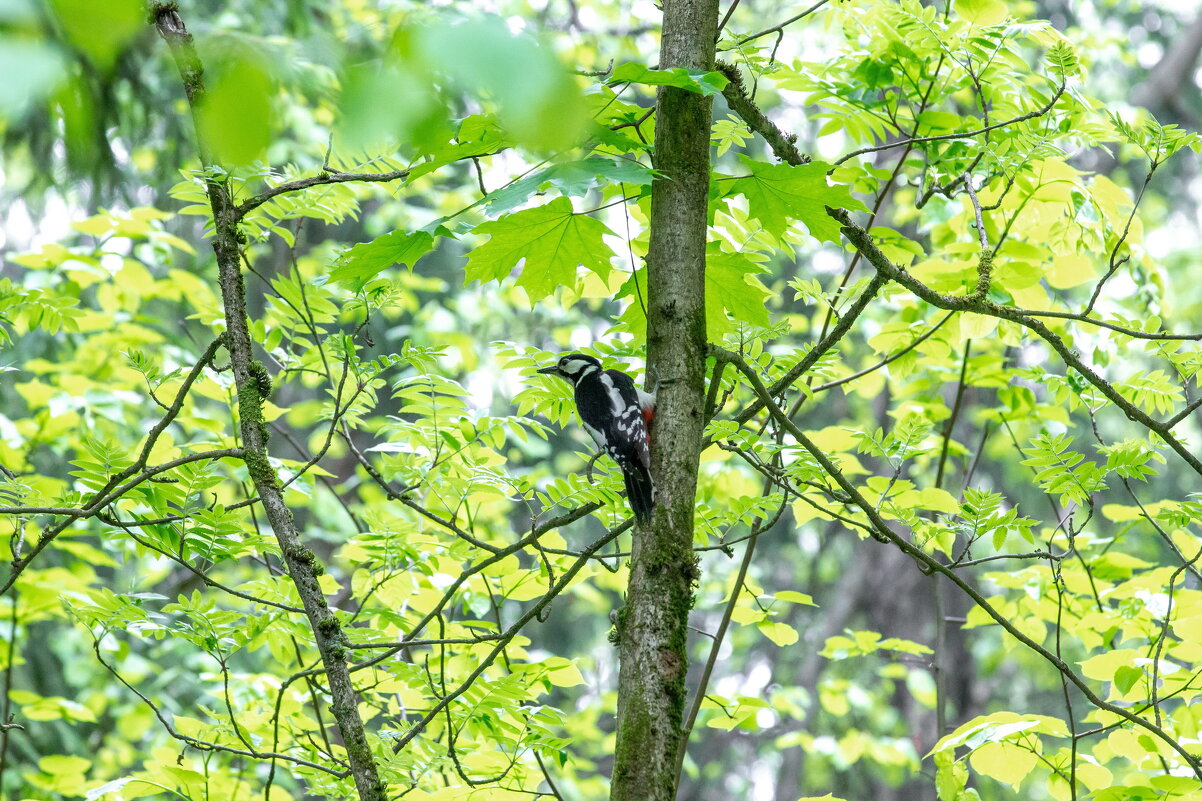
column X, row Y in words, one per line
column 254, row 385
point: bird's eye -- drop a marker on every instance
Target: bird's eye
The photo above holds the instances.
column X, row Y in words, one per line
column 563, row 362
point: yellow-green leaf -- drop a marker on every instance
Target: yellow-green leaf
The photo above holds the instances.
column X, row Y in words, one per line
column 1007, row 762
column 981, row 12
column 780, row 633
column 562, row 672
column 794, row 597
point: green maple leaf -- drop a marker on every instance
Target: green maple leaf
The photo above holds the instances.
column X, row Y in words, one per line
column 366, row 260
column 731, row 291
column 778, row 193
column 552, row 240
column 730, row 286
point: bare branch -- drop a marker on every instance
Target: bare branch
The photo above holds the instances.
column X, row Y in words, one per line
column 780, row 27
column 247, row 206
column 1115, row 261
column 1079, row 317
column 892, row 357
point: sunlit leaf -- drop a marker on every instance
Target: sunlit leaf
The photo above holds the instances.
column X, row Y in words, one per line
column 547, row 243
column 780, row 193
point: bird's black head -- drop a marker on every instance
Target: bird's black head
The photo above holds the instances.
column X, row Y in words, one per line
column 573, row 367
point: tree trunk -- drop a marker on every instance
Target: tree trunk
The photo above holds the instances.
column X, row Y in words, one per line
column 1169, row 90
column 254, row 385
column 652, row 627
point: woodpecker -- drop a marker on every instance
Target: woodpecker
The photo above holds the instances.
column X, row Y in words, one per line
column 618, row 416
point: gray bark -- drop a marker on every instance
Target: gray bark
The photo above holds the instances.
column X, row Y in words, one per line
column 652, row 627
column 254, row 385
column 1169, row 89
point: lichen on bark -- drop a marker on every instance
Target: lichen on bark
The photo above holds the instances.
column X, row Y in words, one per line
column 253, row 385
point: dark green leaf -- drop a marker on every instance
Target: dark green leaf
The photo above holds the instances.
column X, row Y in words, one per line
column 699, row 81
column 366, row 260
column 730, row 286
column 573, row 178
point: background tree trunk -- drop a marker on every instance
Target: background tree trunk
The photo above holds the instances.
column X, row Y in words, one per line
column 254, row 385
column 653, row 625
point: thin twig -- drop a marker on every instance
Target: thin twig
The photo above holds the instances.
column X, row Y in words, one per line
column 892, row 357
column 961, row 387
column 779, row 27
column 965, row 135
column 253, row 203
column 1116, row 262
column 5, row 721
column 726, row 17
column 976, row 205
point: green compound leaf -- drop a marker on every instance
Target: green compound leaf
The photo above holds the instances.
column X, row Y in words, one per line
column 552, row 240
column 699, row 81
column 778, row 193
column 572, row 178
column 366, row 260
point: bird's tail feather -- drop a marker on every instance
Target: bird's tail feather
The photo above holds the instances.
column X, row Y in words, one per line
column 639, row 491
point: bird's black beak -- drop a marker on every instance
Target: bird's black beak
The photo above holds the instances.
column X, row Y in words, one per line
column 552, row 370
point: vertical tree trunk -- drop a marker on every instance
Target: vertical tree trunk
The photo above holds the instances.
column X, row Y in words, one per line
column 254, row 385
column 653, row 625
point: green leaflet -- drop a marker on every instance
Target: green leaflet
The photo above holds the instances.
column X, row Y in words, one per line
column 779, row 193
column 573, row 178
column 550, row 242
column 699, row 81
column 365, row 261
